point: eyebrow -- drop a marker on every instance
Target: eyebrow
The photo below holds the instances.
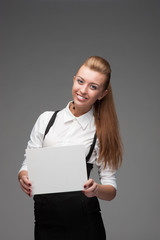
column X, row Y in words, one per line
column 91, row 83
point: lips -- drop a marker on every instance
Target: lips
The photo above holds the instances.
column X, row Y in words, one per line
column 81, row 97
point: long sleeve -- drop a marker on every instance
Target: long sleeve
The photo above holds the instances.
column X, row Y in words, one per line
column 107, row 176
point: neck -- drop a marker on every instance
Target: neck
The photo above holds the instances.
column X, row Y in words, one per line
column 77, row 112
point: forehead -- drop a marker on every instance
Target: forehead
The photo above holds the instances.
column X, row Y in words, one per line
column 90, row 75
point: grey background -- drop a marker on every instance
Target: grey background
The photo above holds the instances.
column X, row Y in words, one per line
column 42, row 45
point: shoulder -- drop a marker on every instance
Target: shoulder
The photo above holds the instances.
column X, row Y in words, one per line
column 43, row 120
column 45, row 116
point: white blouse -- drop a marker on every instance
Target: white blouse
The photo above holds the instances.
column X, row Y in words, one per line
column 70, row 130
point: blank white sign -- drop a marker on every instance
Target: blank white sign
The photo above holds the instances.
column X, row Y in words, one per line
column 57, row 169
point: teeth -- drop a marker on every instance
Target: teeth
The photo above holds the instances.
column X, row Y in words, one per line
column 81, row 97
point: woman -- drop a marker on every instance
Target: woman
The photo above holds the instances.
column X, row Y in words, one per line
column 76, row 215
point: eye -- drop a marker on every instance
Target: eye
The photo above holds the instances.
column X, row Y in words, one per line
column 93, row 87
column 80, row 81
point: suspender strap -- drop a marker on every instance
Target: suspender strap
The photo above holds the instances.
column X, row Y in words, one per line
column 91, row 148
column 50, row 123
column 89, row 165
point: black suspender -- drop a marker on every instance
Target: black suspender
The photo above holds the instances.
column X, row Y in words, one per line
column 91, row 148
column 51, row 122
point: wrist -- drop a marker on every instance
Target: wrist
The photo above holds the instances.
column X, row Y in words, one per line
column 97, row 190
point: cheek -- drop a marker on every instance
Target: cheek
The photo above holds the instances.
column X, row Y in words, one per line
column 93, row 97
column 74, row 88
column 94, row 94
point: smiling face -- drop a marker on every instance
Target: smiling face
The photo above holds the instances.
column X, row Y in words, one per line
column 88, row 86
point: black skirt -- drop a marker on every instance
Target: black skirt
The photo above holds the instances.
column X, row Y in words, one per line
column 68, row 216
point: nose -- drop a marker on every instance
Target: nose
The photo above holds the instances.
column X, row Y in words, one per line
column 83, row 89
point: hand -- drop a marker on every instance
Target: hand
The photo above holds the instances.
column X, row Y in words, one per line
column 90, row 188
column 25, row 184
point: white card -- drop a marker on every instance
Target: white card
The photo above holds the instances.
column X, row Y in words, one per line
column 57, row 169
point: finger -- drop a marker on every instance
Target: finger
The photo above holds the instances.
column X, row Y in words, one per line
column 88, row 194
column 89, row 183
column 91, row 188
column 26, row 180
column 25, row 185
column 28, row 191
column 92, row 191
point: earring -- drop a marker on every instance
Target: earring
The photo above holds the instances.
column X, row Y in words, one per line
column 73, row 105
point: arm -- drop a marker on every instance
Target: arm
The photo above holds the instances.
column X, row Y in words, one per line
column 104, row 192
column 108, row 187
column 36, row 141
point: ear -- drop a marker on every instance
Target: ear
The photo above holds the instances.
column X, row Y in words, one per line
column 74, row 78
column 103, row 94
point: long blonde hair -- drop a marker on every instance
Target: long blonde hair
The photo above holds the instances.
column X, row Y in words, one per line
column 106, row 120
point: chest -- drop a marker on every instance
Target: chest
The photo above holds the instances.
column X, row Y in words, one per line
column 69, row 133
